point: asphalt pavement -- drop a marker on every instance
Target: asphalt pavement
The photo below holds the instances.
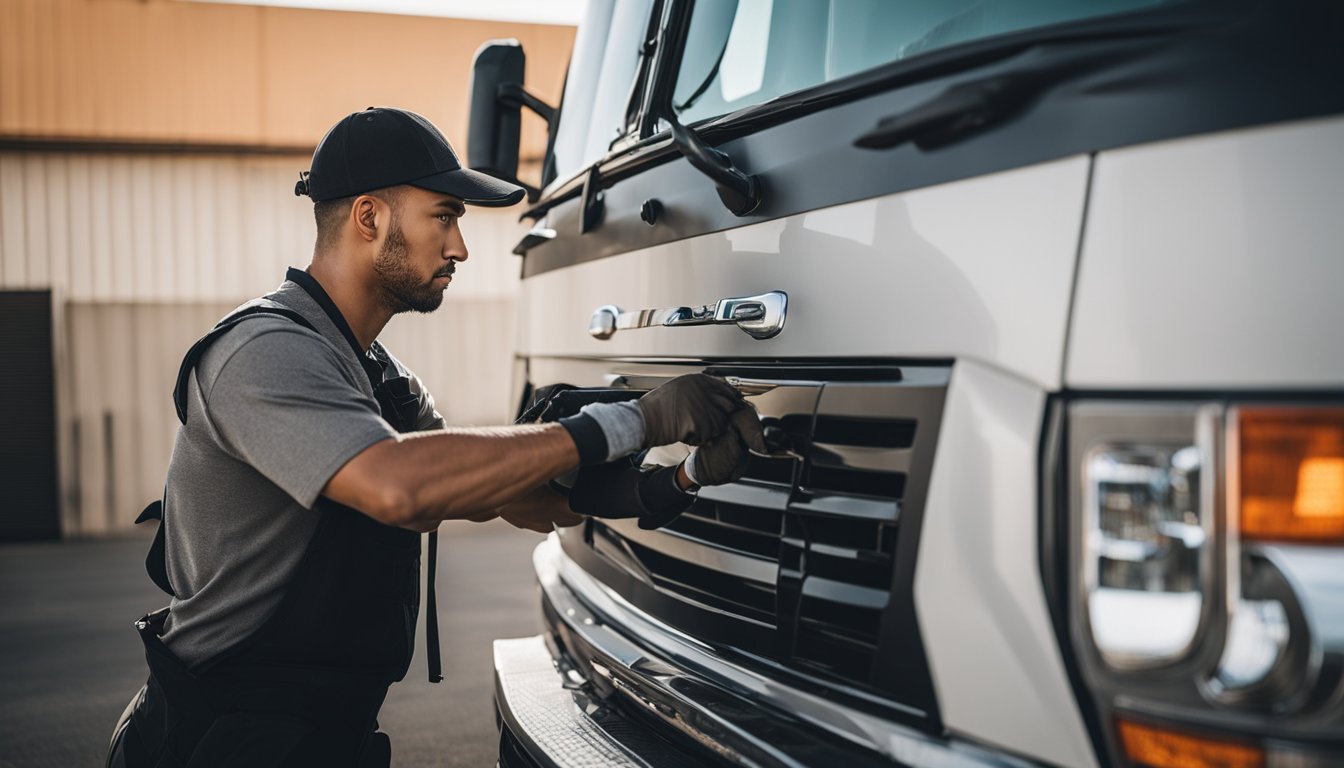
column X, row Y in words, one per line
column 69, row 659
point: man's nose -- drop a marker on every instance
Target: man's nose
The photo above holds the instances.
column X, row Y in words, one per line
column 456, row 247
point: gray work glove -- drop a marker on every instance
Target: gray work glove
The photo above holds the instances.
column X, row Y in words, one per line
column 723, row 459
column 688, row 409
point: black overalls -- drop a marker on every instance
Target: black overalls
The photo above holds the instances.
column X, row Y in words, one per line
column 304, row 688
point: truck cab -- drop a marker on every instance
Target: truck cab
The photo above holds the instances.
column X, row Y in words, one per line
column 1036, row 301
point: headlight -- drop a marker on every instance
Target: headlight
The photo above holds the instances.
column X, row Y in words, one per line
column 1144, row 551
column 1206, row 631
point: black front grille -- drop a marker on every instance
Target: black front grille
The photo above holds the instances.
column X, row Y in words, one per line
column 798, row 561
column 850, row 518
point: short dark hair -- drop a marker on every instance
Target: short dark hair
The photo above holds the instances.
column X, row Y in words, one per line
column 329, row 214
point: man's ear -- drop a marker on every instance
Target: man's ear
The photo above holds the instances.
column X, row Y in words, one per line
column 364, row 214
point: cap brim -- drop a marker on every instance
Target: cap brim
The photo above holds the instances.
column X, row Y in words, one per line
column 472, row 187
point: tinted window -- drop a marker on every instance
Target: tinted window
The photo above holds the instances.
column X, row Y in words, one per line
column 598, row 87
column 742, row 52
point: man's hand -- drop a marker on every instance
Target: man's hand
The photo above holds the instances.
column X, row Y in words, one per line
column 688, row 409
column 723, row 459
column 542, row 511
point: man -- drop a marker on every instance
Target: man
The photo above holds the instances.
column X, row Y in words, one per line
column 309, row 459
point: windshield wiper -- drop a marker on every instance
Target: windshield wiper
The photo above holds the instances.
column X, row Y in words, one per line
column 958, row 112
column 739, row 191
column 968, row 108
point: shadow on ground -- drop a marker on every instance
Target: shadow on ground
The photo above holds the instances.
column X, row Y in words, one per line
column 69, row 659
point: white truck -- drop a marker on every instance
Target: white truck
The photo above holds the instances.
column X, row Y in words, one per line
column 1040, row 302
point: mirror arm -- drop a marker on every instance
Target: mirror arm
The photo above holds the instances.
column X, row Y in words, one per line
column 739, row 191
column 512, row 94
column 533, row 193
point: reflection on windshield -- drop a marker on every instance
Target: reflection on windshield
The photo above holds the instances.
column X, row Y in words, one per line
column 743, row 52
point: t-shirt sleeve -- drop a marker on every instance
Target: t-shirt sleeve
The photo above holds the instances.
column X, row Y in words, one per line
column 283, row 403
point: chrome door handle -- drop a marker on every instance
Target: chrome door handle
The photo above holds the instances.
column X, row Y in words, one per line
column 761, row 316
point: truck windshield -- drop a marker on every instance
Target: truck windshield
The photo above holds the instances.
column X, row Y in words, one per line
column 743, row 52
column 598, row 87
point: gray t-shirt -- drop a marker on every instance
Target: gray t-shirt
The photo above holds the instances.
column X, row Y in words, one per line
column 273, row 411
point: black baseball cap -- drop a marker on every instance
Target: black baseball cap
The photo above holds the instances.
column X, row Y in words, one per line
column 383, row 147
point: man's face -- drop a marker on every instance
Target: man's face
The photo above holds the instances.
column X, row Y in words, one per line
column 421, row 250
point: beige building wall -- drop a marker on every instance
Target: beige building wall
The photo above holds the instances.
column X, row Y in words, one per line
column 148, row 152
column 197, row 73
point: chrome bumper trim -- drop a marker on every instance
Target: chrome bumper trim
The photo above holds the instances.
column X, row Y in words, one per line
column 690, row 688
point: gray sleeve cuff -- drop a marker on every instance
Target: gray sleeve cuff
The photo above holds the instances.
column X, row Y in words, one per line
column 622, row 425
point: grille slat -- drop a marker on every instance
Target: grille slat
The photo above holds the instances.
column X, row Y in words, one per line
column 851, row 641
column 862, row 568
column 846, row 594
column 858, row 482
column 864, row 432
column 861, row 457
column 741, row 596
column 821, row 648
column 745, row 494
column 845, row 506
column 727, row 536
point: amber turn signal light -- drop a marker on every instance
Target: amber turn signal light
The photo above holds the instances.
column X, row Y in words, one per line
column 1155, row 747
column 1292, row 473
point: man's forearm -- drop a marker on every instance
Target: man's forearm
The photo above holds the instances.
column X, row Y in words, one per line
column 421, row 478
column 461, row 472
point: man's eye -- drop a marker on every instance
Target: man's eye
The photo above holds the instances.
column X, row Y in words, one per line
column 445, row 217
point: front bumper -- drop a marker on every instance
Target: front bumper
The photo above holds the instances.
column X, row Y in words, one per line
column 547, row 719
column 611, row 685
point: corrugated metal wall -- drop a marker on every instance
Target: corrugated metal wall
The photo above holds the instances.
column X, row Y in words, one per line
column 144, row 252
column 181, row 228
column 144, row 249
column 142, row 227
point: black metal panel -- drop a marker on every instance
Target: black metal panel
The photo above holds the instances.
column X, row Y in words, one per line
column 28, row 480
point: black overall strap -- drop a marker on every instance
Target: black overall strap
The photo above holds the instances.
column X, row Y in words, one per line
column 375, row 367
column 193, row 355
column 432, row 658
column 156, row 562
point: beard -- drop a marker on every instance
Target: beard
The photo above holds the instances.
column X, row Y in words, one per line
column 401, row 287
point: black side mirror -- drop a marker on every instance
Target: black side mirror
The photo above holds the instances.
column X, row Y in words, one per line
column 494, row 128
column 497, row 97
